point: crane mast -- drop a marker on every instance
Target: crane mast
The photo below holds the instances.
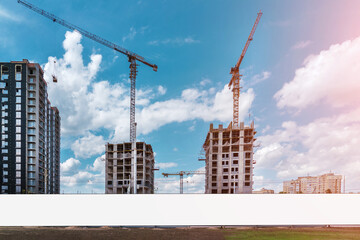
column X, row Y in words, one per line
column 132, row 57
column 235, row 80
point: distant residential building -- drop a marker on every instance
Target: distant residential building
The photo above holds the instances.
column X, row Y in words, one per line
column 263, row 191
column 119, row 166
column 229, row 159
column 30, row 131
column 326, row 183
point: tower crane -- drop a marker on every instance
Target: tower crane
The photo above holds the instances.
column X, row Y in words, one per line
column 181, row 174
column 235, row 80
column 133, row 58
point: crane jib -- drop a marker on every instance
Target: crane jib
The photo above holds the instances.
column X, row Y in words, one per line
column 87, row 34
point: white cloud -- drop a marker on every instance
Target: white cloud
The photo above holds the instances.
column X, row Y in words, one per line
column 166, row 165
column 98, row 165
column 301, row 44
column 326, row 144
column 330, row 77
column 193, row 104
column 7, row 15
column 87, row 105
column 174, row 41
column 70, row 166
column 205, row 81
column 259, row 78
column 175, row 149
column 92, row 179
column 131, row 35
column 88, row 146
column 161, row 90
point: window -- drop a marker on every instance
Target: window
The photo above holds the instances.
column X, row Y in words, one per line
column 32, row 102
column 2, row 85
column 18, row 107
column 31, row 131
column 5, row 180
column 31, row 87
column 32, row 95
column 18, row 181
column 18, row 159
column 18, row 114
column 5, row 114
column 5, row 106
column 4, row 76
column 18, row 151
column 31, row 80
column 18, row 122
column 31, row 139
column 4, row 91
column 18, row 144
column 18, row 99
column 4, row 144
column 18, row 129
column 31, row 109
column 18, row 92
column 5, row 158
column 31, row 124
column 18, row 136
column 18, row 166
column 5, row 165
column 18, row 76
column 4, row 136
column 4, row 121
column 18, row 84
column 4, row 99
column 5, row 172
column 18, row 189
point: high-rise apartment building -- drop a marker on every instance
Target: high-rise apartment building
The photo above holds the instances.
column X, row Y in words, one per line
column 229, row 159
column 119, row 166
column 326, row 183
column 30, row 131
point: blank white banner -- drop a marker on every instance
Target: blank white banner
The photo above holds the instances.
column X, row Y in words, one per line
column 177, row 210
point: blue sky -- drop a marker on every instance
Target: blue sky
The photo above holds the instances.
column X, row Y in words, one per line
column 194, row 44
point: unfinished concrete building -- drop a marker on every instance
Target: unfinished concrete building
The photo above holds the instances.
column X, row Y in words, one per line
column 118, row 179
column 229, row 159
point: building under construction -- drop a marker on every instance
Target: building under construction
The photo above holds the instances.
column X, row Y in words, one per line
column 229, row 159
column 229, row 152
column 119, row 166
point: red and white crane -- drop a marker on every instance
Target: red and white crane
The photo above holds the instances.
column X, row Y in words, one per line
column 235, row 80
